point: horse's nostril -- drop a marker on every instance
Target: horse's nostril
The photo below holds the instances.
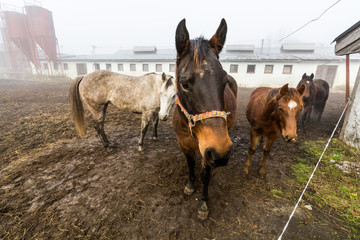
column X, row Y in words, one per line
column 209, row 154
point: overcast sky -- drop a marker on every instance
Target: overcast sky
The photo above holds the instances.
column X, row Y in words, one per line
column 111, row 25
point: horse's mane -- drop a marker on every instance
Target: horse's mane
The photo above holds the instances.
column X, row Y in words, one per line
column 168, row 83
column 149, row 73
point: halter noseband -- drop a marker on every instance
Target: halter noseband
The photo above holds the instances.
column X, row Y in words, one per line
column 199, row 117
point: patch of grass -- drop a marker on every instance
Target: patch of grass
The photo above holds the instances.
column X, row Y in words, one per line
column 276, row 191
column 330, row 186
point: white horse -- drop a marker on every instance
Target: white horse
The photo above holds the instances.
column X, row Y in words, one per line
column 152, row 94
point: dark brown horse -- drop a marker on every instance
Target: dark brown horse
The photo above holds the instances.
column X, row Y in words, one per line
column 208, row 94
column 272, row 111
column 316, row 94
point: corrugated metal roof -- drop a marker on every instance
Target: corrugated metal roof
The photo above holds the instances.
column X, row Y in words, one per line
column 273, row 54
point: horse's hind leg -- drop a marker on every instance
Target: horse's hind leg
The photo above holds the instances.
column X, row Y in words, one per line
column 267, row 149
column 155, row 122
column 145, row 119
column 254, row 139
column 99, row 118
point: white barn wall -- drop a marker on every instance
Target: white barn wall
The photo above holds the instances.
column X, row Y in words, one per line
column 259, row 78
column 277, row 78
column 72, row 71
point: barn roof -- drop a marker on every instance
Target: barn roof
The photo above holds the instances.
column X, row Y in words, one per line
column 349, row 41
column 241, row 54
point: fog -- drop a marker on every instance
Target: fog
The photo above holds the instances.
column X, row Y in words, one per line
column 107, row 26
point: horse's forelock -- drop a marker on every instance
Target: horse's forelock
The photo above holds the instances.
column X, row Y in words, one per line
column 198, row 49
column 169, row 82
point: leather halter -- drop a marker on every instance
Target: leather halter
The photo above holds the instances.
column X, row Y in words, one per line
column 192, row 119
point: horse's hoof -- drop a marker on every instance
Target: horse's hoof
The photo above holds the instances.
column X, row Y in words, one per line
column 246, row 171
column 262, row 173
column 203, row 211
column 140, row 148
column 155, row 138
column 107, row 145
column 188, row 190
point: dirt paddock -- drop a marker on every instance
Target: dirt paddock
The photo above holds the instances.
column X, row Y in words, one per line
column 54, row 185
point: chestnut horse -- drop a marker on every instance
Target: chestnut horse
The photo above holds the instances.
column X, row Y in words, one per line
column 316, row 95
column 272, row 111
column 206, row 105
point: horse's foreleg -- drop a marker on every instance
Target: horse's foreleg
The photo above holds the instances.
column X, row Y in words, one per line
column 254, row 139
column 309, row 114
column 205, row 177
column 155, row 122
column 190, row 186
column 145, row 119
column 266, row 153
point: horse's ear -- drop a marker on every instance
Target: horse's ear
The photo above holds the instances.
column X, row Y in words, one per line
column 163, row 77
column 182, row 39
column 312, row 76
column 301, row 89
column 304, row 76
column 218, row 40
column 283, row 91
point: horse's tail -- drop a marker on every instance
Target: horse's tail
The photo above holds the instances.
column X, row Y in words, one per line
column 76, row 105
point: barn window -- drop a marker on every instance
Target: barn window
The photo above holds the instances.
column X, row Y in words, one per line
column 120, row 67
column 158, row 67
column 133, row 67
column 108, row 66
column 145, row 67
column 96, row 66
column 66, row 66
column 81, row 68
column 172, row 68
column 234, row 68
column 269, row 69
column 250, row 68
column 287, row 69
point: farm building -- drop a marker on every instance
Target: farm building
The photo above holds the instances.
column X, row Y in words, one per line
column 250, row 66
column 348, row 43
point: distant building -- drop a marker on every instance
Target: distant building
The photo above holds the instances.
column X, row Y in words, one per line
column 250, row 66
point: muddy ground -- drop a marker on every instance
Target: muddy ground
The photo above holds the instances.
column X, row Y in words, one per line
column 54, row 185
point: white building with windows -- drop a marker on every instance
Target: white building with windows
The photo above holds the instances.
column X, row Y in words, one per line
column 250, row 66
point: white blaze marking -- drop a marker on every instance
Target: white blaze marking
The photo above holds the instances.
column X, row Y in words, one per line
column 307, row 82
column 292, row 104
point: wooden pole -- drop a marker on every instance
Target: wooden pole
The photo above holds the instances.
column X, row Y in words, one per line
column 347, row 87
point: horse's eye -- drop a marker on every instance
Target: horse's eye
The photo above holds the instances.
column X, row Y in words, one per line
column 280, row 109
column 185, row 85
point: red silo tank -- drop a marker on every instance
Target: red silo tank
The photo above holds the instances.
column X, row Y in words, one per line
column 42, row 28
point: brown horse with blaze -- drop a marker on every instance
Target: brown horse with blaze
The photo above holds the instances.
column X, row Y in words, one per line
column 270, row 112
column 206, row 106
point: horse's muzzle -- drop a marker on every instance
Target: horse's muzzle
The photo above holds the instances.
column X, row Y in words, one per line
column 163, row 118
column 214, row 159
column 290, row 139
